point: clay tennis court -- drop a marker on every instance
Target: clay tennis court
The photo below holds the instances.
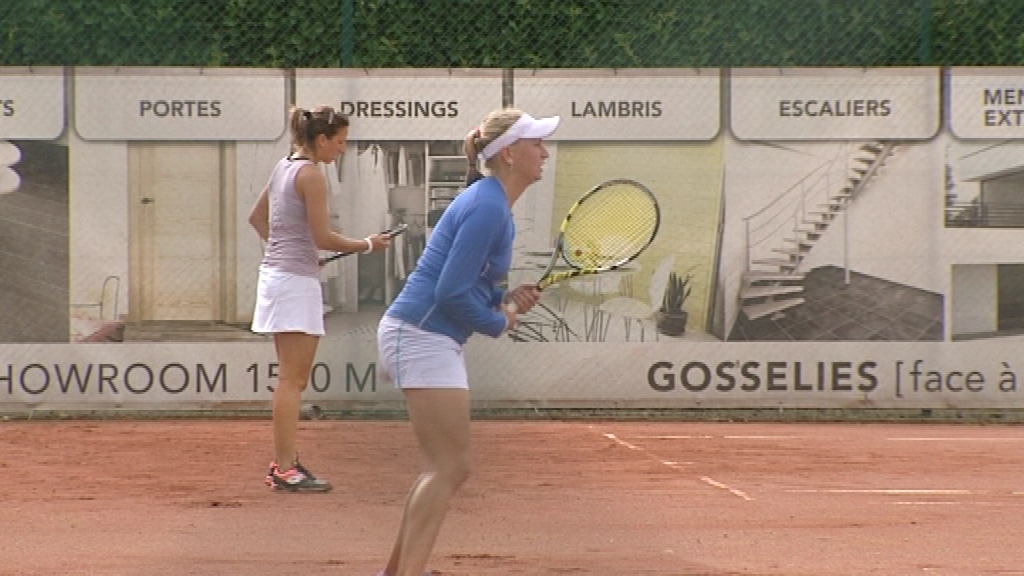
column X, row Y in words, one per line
column 155, row 497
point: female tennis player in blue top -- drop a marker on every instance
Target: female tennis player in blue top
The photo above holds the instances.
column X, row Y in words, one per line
column 453, row 292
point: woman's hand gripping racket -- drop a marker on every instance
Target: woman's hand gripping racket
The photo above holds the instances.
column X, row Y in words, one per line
column 605, row 229
column 400, row 229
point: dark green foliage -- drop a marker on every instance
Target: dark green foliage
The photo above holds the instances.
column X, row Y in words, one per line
column 512, row 33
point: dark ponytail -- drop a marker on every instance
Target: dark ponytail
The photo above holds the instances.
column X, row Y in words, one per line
column 306, row 125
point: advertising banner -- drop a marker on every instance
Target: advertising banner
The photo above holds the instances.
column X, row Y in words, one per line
column 662, row 375
column 624, row 105
column 987, row 103
column 828, row 238
column 403, row 104
column 31, row 103
column 179, row 104
column 832, row 104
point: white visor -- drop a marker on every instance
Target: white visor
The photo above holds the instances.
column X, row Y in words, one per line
column 525, row 127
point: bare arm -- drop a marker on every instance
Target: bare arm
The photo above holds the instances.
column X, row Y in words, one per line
column 259, row 216
column 311, row 186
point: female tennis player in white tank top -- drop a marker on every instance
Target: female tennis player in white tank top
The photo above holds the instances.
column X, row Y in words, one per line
column 292, row 216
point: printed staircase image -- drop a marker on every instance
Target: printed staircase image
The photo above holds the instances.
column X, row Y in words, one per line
column 774, row 284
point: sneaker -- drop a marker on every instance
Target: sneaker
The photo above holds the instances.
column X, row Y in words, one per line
column 296, row 479
column 298, row 466
column 269, row 480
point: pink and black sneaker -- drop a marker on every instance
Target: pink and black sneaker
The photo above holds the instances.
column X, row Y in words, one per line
column 296, row 479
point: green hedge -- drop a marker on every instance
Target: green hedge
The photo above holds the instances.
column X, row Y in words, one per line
column 511, row 33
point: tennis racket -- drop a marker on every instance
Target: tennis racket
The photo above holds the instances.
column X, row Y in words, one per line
column 605, row 229
column 400, row 229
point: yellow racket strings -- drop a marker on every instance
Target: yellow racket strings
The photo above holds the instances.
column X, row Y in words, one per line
column 609, row 227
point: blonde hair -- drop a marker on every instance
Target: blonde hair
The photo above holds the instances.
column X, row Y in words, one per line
column 306, row 125
column 494, row 124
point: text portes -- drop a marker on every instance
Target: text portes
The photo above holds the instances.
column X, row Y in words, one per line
column 179, row 104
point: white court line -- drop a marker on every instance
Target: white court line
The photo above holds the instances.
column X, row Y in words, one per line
column 919, row 492
column 1000, row 505
column 670, row 463
column 734, row 437
column 892, row 492
column 884, row 491
column 770, row 437
column 710, row 437
column 922, row 439
column 718, row 484
column 673, row 437
column 674, row 465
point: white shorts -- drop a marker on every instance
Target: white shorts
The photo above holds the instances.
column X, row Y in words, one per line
column 415, row 358
column 288, row 302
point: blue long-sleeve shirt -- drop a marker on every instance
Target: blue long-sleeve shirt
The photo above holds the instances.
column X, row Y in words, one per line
column 454, row 289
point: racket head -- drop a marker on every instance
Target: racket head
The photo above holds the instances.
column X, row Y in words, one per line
column 609, row 226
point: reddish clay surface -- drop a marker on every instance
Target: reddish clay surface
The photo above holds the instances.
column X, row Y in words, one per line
column 186, row 497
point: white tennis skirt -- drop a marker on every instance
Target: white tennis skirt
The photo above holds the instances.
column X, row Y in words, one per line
column 415, row 358
column 288, row 302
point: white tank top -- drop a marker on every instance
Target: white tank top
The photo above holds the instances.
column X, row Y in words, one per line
column 290, row 247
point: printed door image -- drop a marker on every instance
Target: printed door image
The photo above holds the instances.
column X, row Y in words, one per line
column 176, row 252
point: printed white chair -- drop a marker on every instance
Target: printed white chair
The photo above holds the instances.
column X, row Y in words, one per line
column 594, row 291
column 630, row 308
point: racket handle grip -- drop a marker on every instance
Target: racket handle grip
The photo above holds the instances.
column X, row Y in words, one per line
column 513, row 308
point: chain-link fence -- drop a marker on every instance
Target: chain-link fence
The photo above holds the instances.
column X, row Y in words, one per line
column 134, row 137
column 512, row 33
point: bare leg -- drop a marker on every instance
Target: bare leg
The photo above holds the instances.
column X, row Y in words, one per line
column 295, row 354
column 396, row 551
column 440, row 420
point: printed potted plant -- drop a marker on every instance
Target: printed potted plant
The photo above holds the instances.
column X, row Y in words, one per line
column 671, row 316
